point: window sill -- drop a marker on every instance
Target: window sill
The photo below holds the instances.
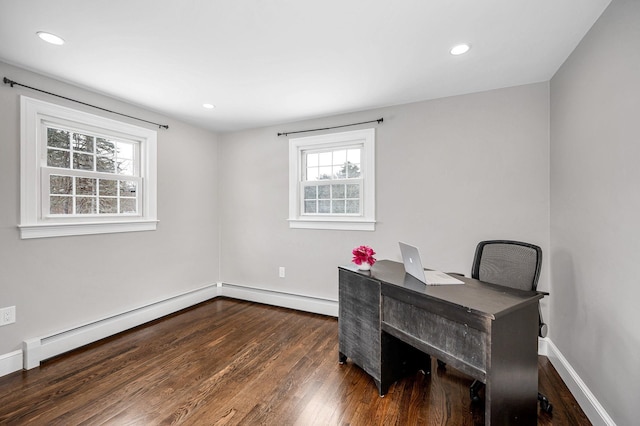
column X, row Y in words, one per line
column 45, row 230
column 339, row 224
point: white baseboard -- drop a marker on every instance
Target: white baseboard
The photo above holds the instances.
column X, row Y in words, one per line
column 40, row 348
column 10, row 362
column 585, row 398
column 284, row 300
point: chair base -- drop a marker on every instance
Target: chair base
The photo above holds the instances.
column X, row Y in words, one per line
column 475, row 387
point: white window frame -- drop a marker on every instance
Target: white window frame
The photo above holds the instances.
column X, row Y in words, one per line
column 35, row 115
column 365, row 221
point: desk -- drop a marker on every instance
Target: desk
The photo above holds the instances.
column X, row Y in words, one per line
column 486, row 331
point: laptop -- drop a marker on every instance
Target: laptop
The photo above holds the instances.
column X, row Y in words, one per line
column 413, row 266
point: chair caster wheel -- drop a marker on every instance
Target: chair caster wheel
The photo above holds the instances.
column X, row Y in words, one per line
column 474, row 391
column 545, row 405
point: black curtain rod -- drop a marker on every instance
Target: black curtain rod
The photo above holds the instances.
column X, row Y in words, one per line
column 15, row 83
column 379, row 120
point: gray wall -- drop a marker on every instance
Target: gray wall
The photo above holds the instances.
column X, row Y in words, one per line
column 57, row 283
column 595, row 199
column 449, row 173
column 550, row 163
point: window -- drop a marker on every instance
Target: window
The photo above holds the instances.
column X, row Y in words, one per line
column 332, row 181
column 84, row 174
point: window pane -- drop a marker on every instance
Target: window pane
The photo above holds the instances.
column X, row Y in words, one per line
column 125, row 150
column 85, row 186
column 125, row 167
column 353, row 191
column 127, row 205
column 108, row 205
column 82, row 142
column 324, row 206
column 312, row 160
column 310, row 207
column 352, row 170
column 57, row 138
column 339, row 157
column 85, row 205
column 324, row 191
column 108, row 187
column 353, row 206
column 325, row 159
column 127, row 188
column 337, row 206
column 325, row 173
column 60, row 184
column 57, row 158
column 60, row 205
column 310, row 193
column 337, row 191
column 353, row 156
column 312, row 173
column 83, row 161
column 105, row 147
column 105, row 164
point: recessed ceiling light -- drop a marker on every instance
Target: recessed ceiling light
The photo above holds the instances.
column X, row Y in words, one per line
column 460, row 49
column 208, row 106
column 50, row 38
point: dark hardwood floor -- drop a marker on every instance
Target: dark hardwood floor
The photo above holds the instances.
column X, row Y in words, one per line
column 233, row 362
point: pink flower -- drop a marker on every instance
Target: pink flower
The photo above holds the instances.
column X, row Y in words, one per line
column 363, row 254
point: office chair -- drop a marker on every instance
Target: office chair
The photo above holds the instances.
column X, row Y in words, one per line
column 511, row 264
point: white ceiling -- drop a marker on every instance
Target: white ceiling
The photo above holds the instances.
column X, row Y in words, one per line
column 263, row 62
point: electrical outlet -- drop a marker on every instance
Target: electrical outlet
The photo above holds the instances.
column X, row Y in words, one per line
column 281, row 272
column 8, row 315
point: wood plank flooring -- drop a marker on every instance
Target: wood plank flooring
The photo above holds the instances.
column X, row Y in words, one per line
column 228, row 362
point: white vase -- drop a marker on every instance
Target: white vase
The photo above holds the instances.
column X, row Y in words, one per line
column 364, row 266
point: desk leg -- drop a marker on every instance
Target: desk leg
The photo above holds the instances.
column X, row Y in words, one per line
column 511, row 393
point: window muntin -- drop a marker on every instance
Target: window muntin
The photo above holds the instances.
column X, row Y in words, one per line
column 332, row 182
column 332, row 164
column 81, row 174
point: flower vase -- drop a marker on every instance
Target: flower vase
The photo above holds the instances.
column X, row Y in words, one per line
column 364, row 266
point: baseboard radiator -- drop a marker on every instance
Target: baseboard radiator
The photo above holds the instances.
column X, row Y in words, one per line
column 38, row 349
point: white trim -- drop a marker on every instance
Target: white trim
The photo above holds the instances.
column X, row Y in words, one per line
column 38, row 349
column 61, row 230
column 583, row 395
column 364, row 222
column 33, row 113
column 10, row 362
column 342, row 224
column 284, row 300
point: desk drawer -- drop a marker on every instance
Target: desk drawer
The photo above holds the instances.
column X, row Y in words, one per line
column 454, row 342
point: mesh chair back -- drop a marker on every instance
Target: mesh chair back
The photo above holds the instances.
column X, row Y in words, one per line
column 509, row 263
